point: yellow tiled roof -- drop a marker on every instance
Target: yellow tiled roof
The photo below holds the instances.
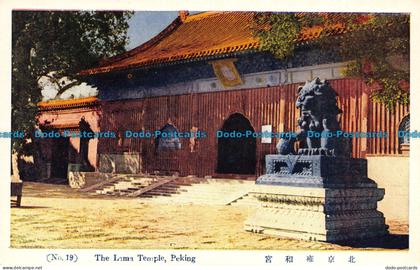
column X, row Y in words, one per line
column 53, row 104
column 201, row 35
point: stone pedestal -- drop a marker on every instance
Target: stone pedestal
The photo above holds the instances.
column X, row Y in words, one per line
column 322, row 214
column 317, row 198
column 315, row 171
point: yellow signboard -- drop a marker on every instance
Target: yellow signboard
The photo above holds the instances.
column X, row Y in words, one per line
column 226, row 72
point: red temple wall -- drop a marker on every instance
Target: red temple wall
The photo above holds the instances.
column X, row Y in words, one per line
column 262, row 106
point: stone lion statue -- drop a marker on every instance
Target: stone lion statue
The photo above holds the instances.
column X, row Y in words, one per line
column 318, row 120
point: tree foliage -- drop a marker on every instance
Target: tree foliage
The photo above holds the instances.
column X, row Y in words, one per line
column 377, row 46
column 63, row 42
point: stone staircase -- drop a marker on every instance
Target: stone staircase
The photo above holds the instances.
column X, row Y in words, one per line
column 201, row 191
column 126, row 185
column 181, row 190
column 171, row 188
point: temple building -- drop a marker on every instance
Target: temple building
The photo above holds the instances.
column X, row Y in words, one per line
column 204, row 73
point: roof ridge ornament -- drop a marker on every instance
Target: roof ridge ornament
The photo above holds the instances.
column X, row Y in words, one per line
column 183, row 14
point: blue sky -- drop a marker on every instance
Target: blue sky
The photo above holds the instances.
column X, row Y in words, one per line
column 146, row 24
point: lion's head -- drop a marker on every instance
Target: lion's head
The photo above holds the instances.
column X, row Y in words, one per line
column 317, row 98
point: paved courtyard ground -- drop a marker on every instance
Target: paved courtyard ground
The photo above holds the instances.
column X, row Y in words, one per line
column 56, row 216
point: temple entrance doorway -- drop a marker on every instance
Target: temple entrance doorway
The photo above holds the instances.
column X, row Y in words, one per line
column 60, row 157
column 236, row 155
